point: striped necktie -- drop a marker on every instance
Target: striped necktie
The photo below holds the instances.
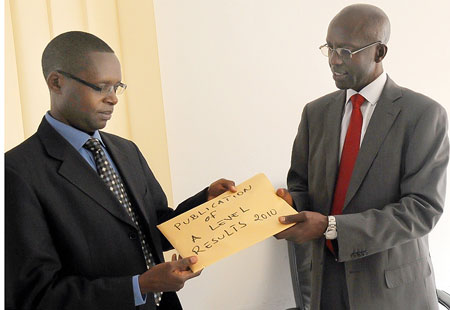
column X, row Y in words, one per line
column 115, row 185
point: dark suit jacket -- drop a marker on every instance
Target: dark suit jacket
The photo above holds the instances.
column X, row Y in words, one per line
column 394, row 199
column 69, row 243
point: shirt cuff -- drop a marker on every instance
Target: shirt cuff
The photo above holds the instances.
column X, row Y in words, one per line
column 139, row 299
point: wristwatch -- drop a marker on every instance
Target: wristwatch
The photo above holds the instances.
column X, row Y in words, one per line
column 331, row 232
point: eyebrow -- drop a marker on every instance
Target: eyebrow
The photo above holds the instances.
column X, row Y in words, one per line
column 351, row 48
column 108, row 83
column 344, row 45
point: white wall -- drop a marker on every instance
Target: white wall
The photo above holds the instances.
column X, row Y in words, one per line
column 235, row 76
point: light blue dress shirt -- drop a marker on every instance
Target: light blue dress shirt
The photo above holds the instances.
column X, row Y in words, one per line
column 77, row 139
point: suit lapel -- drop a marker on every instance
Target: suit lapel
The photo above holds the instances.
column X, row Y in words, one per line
column 78, row 172
column 380, row 123
column 332, row 138
column 135, row 188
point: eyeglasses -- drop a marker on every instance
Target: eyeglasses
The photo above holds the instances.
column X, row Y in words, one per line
column 344, row 53
column 118, row 88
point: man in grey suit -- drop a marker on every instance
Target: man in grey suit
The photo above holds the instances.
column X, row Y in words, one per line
column 368, row 177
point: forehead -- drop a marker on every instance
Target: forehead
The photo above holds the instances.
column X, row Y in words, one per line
column 102, row 67
column 346, row 32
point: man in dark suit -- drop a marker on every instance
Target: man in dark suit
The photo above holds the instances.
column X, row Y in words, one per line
column 81, row 206
column 367, row 176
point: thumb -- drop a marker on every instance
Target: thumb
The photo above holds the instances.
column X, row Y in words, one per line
column 229, row 185
column 284, row 193
column 296, row 218
column 185, row 262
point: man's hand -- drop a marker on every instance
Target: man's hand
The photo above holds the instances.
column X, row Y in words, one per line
column 220, row 187
column 283, row 193
column 309, row 225
column 169, row 276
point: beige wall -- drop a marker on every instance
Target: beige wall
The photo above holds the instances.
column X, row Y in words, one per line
column 129, row 28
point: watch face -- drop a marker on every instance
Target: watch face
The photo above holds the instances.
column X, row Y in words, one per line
column 332, row 234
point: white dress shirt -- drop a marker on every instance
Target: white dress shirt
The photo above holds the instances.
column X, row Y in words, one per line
column 371, row 93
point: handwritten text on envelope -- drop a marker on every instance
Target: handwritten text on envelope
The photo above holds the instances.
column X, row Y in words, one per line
column 229, row 223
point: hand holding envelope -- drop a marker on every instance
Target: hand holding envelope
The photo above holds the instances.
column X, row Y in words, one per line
column 171, row 276
column 308, row 225
column 229, row 223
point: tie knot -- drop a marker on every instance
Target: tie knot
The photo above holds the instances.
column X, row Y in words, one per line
column 92, row 145
column 357, row 100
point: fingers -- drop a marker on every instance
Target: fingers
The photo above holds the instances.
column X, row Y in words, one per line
column 231, row 187
column 186, row 268
column 287, row 233
column 227, row 185
column 308, row 226
column 220, row 186
column 284, row 193
column 296, row 218
column 184, row 263
column 281, row 192
column 169, row 276
column 196, row 274
column 280, row 235
column 193, row 274
column 294, row 233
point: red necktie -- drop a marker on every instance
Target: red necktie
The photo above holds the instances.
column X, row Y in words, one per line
column 348, row 158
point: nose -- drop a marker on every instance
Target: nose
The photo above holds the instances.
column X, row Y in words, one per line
column 334, row 58
column 112, row 98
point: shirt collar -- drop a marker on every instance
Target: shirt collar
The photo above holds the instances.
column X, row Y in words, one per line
column 75, row 137
column 371, row 92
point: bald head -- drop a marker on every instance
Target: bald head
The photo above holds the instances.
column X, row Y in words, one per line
column 363, row 31
column 364, row 21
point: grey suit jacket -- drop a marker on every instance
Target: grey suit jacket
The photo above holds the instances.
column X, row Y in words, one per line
column 395, row 197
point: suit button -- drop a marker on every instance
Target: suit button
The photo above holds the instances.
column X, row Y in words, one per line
column 132, row 235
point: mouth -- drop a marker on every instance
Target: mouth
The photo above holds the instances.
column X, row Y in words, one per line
column 106, row 115
column 339, row 75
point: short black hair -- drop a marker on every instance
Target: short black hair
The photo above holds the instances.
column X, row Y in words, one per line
column 68, row 52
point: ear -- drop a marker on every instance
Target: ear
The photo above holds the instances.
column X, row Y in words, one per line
column 381, row 52
column 54, row 82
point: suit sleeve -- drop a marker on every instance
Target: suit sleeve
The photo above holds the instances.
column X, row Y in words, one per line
column 34, row 277
column 297, row 179
column 422, row 189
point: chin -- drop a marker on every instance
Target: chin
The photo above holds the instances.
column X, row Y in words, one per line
column 100, row 125
column 342, row 86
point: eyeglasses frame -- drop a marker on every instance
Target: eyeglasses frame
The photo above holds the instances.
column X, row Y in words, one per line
column 351, row 53
column 93, row 86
